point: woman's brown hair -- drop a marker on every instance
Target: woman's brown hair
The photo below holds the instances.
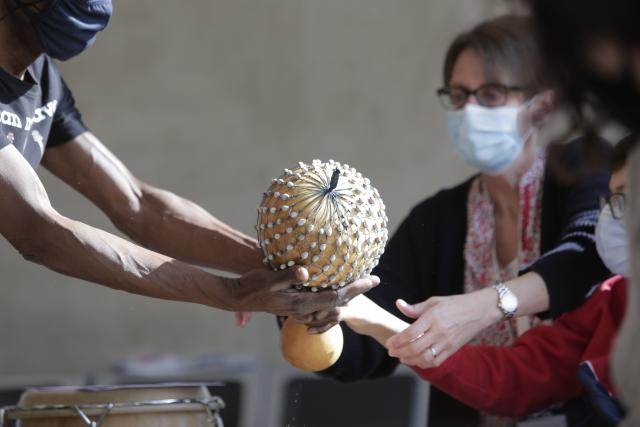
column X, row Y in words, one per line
column 506, row 45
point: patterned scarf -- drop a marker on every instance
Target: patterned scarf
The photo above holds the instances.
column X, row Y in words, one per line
column 482, row 268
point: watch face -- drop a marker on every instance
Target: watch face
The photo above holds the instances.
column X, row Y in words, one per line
column 509, row 302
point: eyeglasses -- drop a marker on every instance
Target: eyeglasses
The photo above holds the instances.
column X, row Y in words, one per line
column 487, row 95
column 617, row 202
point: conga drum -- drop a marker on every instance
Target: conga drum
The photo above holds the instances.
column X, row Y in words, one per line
column 162, row 405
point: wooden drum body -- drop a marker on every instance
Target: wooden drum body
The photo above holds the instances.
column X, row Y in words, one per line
column 117, row 406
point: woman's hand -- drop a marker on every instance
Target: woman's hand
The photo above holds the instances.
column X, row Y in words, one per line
column 443, row 325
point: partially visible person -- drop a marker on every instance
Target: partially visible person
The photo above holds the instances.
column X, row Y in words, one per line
column 40, row 125
column 565, row 363
column 510, row 242
column 593, row 47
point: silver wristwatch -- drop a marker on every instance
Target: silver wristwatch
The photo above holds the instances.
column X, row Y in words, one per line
column 507, row 300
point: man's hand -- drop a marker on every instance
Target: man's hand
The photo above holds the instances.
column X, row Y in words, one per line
column 323, row 320
column 274, row 292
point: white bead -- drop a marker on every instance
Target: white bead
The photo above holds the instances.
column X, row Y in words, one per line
column 302, row 222
column 284, row 208
column 291, row 263
column 313, row 245
column 315, row 258
column 304, row 255
column 289, row 229
column 301, row 237
column 332, row 258
column 294, row 214
column 283, row 266
column 323, row 247
column 272, row 210
column 325, row 268
column 289, row 247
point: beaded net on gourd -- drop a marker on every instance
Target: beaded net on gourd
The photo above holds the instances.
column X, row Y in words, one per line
column 326, row 217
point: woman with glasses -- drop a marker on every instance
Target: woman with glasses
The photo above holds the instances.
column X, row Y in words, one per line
column 512, row 241
column 566, row 363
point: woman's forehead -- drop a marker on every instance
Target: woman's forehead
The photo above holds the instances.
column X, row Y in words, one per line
column 472, row 69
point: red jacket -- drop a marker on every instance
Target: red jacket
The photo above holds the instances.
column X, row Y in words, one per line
column 539, row 369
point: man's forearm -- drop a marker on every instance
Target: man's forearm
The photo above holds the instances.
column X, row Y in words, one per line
column 81, row 251
column 181, row 229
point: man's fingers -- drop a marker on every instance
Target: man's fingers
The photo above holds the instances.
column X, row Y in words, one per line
column 310, row 302
column 284, row 279
column 325, row 300
column 303, row 319
column 355, row 288
column 326, row 314
column 320, row 329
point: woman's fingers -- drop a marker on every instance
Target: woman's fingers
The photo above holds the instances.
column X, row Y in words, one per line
column 411, row 310
column 413, row 332
column 414, row 348
column 428, row 358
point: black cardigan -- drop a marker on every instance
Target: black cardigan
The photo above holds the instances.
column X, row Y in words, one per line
column 424, row 258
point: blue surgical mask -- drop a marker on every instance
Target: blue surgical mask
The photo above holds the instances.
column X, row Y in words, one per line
column 612, row 242
column 69, row 27
column 487, row 138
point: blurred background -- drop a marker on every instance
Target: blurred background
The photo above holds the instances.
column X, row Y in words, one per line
column 211, row 99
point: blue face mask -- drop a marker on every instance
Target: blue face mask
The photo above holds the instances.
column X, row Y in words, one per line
column 612, row 243
column 68, row 27
column 487, row 138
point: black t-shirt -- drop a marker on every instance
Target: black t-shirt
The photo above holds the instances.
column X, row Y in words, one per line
column 38, row 112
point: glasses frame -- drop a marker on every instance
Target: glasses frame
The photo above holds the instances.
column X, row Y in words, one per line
column 616, row 202
column 446, row 91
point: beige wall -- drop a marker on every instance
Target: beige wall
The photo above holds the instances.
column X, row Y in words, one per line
column 211, row 99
